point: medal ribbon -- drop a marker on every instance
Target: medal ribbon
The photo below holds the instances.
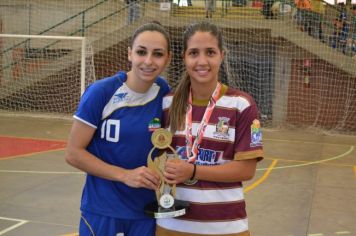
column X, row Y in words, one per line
column 192, row 148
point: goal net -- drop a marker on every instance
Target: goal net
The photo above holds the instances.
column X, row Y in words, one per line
column 43, row 75
column 297, row 64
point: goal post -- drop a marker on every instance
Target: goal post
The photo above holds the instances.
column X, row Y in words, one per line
column 44, row 75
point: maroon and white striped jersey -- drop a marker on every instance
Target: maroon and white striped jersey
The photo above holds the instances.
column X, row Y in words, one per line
column 233, row 133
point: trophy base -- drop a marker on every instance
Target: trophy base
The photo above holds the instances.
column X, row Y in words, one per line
column 178, row 209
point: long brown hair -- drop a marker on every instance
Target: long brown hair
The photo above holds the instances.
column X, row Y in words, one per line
column 178, row 108
column 152, row 26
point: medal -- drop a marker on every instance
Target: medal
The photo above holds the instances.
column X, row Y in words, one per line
column 161, row 138
column 192, row 147
column 166, row 201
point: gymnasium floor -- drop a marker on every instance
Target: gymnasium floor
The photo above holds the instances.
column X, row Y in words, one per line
column 306, row 185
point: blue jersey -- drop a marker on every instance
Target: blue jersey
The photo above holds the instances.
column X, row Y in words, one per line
column 122, row 119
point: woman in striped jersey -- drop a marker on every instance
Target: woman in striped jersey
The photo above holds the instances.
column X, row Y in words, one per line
column 218, row 137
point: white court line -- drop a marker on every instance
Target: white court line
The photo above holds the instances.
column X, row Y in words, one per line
column 21, row 222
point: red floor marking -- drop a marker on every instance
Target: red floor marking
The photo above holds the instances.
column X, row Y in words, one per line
column 12, row 146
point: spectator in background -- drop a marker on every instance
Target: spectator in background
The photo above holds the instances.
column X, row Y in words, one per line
column 342, row 11
column 352, row 40
column 209, row 8
column 133, row 10
column 335, row 36
column 189, row 2
column 341, row 29
column 316, row 17
column 344, row 35
column 267, row 8
column 303, row 7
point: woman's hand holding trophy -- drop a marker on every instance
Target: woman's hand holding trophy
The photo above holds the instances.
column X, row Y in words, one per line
column 166, row 205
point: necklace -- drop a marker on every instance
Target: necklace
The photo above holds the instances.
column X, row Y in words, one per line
column 192, row 147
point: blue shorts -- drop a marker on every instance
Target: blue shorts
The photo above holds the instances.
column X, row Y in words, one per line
column 97, row 225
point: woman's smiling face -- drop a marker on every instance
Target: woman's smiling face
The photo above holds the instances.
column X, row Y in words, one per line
column 203, row 58
column 149, row 56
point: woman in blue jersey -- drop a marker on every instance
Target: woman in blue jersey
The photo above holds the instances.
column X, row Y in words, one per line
column 111, row 137
column 217, row 135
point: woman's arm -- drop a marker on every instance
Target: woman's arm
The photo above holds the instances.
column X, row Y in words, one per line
column 77, row 156
column 178, row 171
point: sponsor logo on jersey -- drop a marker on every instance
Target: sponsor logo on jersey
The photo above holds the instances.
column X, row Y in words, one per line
column 120, row 97
column 154, row 124
column 222, row 128
column 205, row 156
column 256, row 134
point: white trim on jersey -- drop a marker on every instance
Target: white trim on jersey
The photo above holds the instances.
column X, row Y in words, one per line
column 232, row 102
column 85, row 122
column 125, row 97
column 216, row 228
column 229, row 102
column 211, row 195
column 167, row 101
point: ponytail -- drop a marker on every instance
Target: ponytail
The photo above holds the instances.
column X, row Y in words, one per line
column 178, row 108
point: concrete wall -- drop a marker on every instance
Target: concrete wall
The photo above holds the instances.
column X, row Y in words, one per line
column 36, row 16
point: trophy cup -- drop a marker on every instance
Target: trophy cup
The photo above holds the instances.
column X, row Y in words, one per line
column 166, row 205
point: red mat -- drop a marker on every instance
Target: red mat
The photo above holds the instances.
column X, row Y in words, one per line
column 12, row 146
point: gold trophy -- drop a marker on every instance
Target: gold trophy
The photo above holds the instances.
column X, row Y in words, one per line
column 166, row 205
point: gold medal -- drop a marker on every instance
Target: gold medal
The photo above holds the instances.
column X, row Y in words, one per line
column 161, row 138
